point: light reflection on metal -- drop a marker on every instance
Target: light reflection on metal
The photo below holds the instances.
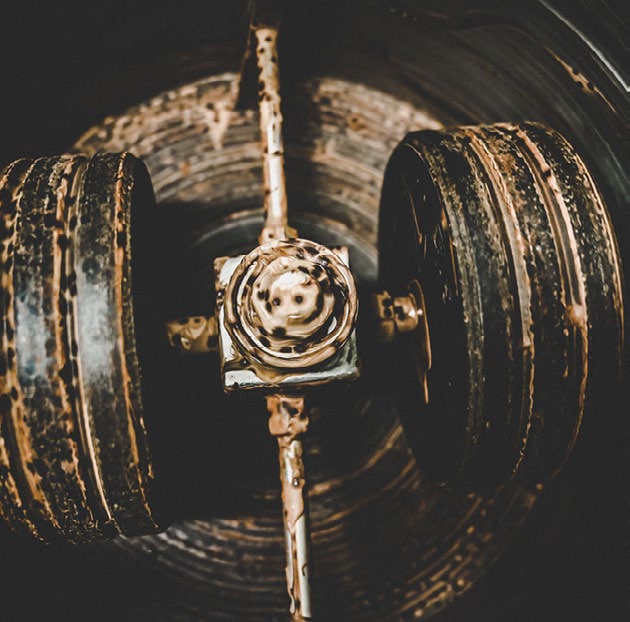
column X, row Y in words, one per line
column 276, row 223
column 286, row 316
column 286, row 319
column 406, row 315
column 197, row 335
column 288, row 422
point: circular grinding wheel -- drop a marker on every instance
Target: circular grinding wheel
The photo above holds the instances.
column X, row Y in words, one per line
column 73, row 448
column 507, row 234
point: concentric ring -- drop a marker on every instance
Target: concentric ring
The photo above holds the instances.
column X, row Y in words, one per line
column 291, row 304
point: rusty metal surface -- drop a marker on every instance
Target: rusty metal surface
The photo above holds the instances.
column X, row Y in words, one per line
column 275, row 190
column 287, row 313
column 432, row 544
column 197, row 335
column 288, row 423
column 512, row 243
column 14, row 501
column 557, row 62
column 75, row 458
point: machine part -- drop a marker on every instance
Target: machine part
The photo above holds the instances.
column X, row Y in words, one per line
column 399, row 66
column 507, row 233
column 195, row 335
column 559, row 62
column 288, row 422
column 275, row 204
column 76, row 463
column 397, row 316
column 286, row 315
column 433, row 543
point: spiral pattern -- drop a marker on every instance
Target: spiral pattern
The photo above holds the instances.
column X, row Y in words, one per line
column 291, row 303
column 432, row 544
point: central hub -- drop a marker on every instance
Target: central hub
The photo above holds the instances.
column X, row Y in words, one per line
column 286, row 315
column 289, row 300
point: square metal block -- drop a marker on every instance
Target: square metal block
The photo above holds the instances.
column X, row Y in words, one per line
column 237, row 370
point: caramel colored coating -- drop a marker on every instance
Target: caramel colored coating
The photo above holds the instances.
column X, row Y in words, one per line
column 288, row 422
column 291, row 304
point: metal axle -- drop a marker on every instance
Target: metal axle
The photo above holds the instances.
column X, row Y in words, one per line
column 288, row 423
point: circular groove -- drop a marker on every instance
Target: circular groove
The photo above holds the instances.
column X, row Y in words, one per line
column 501, row 246
column 44, row 377
column 75, row 468
column 224, row 564
column 106, row 342
column 14, row 486
column 256, row 318
column 517, row 251
column 94, row 483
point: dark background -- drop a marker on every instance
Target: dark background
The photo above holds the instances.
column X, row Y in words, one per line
column 572, row 559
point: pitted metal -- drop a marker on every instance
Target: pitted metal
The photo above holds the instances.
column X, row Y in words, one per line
column 290, row 304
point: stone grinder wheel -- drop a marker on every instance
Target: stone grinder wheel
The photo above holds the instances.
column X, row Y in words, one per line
column 500, row 226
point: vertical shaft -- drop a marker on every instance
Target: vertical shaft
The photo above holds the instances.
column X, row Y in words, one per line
column 275, row 205
column 287, row 423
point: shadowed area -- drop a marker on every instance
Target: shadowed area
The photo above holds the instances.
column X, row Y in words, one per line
column 357, row 78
